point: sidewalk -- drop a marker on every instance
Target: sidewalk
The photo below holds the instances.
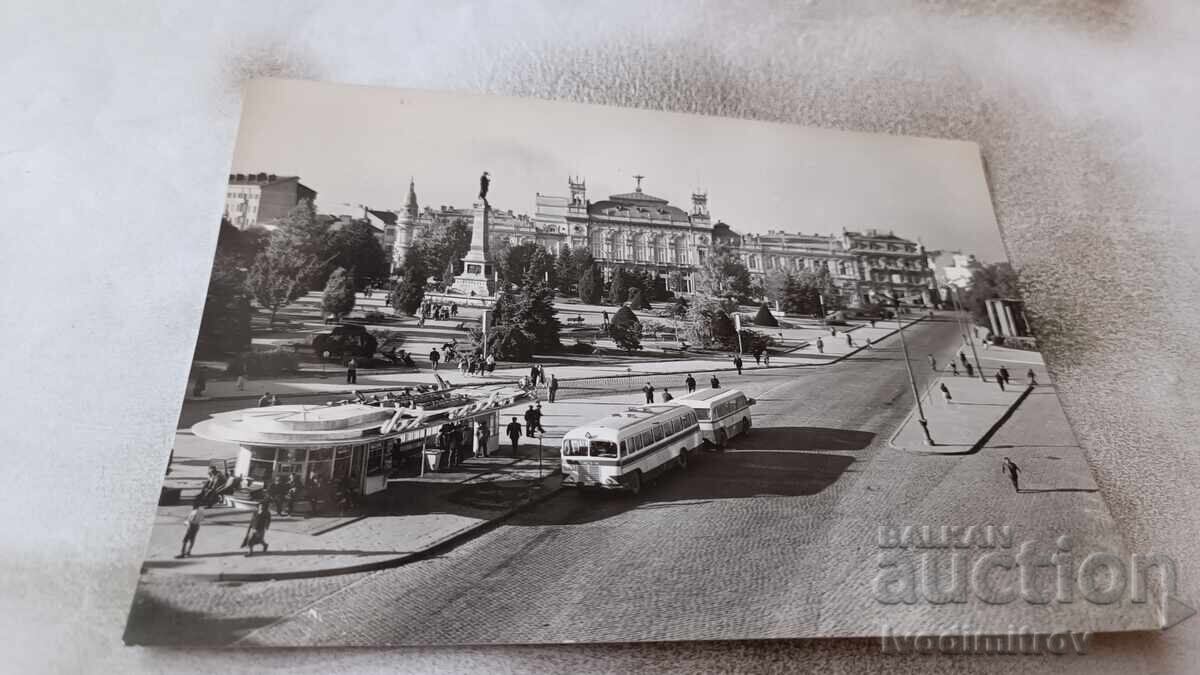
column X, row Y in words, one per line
column 411, row 519
column 835, row 348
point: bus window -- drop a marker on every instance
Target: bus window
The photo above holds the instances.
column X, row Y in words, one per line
column 575, row 447
column 604, row 449
column 701, row 413
column 658, row 432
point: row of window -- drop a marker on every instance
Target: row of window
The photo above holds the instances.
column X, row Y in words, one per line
column 656, row 433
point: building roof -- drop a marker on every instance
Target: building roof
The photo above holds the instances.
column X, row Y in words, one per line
column 656, row 209
column 259, row 179
column 387, row 217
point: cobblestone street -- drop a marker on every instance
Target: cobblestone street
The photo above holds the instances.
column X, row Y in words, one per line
column 774, row 538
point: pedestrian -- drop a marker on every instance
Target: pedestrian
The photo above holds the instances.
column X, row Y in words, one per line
column 553, row 387
column 716, row 384
column 757, row 357
column 970, row 370
column 604, row 320
column 274, row 400
column 870, row 345
column 1000, row 381
column 667, row 397
column 193, row 527
column 533, row 375
column 454, row 309
column 537, row 418
column 462, row 366
column 241, row 377
column 737, row 363
column 820, row 346
column 1003, row 372
column 491, row 363
column 351, row 372
column 954, row 368
column 201, row 383
column 766, row 359
column 648, row 390
column 932, row 363
column 946, row 392
column 256, row 531
column 264, row 400
column 962, row 357
column 872, row 323
column 434, row 357
column 514, row 434
column 481, row 439
column 832, row 331
column 849, row 340
column 530, row 422
column 690, row 382
column 541, row 373
column 1032, row 378
column 293, row 491
column 277, row 493
column 1013, row 472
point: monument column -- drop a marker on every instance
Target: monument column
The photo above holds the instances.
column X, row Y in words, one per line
column 476, row 278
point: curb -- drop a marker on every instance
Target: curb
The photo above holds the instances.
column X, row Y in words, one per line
column 982, row 441
column 449, row 541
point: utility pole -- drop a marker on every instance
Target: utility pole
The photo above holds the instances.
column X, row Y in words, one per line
column 966, row 333
column 911, row 380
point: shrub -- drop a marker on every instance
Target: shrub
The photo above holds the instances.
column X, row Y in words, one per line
column 375, row 316
column 764, row 317
column 274, row 361
column 582, row 348
column 626, row 330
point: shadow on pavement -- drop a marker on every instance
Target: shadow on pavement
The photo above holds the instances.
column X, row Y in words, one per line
column 804, row 438
column 155, row 622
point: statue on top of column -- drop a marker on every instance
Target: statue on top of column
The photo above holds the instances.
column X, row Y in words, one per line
column 484, row 182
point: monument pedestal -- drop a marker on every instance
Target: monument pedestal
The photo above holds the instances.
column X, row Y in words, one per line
column 477, row 276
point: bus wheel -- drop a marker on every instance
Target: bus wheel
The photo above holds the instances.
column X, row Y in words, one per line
column 683, row 458
column 635, row 482
column 745, row 424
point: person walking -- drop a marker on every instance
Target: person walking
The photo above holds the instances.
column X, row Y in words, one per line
column 193, row 527
column 690, row 382
column 1032, row 377
column 932, row 363
column 1003, row 373
column 241, row 377
column 872, row 323
column 737, row 363
column 537, row 418
column 513, row 430
column 481, row 439
column 667, row 397
column 716, row 384
column 530, row 422
column 757, row 357
column 648, row 390
column 434, row 357
column 1013, row 472
column 604, row 320
column 832, row 331
column 553, row 388
column 954, row 368
column 820, row 346
column 962, row 357
column 352, row 371
column 490, row 362
column 766, row 359
column 849, row 340
column 462, row 366
column 533, row 375
column 970, row 369
column 1000, row 381
column 946, row 392
column 200, row 383
column 256, row 531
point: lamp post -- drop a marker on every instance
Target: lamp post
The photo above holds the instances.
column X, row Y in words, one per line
column 908, row 366
column 966, row 333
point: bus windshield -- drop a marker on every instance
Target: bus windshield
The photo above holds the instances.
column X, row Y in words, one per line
column 604, row 449
column 574, row 447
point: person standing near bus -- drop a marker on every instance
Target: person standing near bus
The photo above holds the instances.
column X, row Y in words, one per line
column 737, row 363
column 716, row 384
column 649, row 391
column 513, row 430
column 553, row 387
column 690, row 382
column 434, row 357
column 530, row 422
column 667, row 397
column 820, row 346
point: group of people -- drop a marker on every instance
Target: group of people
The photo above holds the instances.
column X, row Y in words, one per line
column 455, row 441
column 268, row 399
column 533, row 426
column 476, row 364
column 437, row 311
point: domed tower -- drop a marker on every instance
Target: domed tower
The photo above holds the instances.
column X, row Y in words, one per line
column 406, row 222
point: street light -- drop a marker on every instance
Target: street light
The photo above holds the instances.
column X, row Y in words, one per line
column 908, row 366
column 966, row 333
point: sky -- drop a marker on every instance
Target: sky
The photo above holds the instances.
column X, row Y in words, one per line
column 360, row 146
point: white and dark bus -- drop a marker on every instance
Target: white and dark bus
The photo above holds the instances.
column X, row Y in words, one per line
column 722, row 413
column 625, row 449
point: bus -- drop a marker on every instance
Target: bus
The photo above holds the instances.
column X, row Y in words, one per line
column 723, row 413
column 625, row 449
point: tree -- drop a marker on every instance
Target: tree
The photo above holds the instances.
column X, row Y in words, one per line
column 724, row 275
column 280, row 273
column 625, row 329
column 710, row 320
column 617, row 288
column 805, row 292
column 775, row 285
column 997, row 280
column 443, row 245
column 338, row 298
column 524, row 322
column 764, row 317
column 355, row 247
column 409, row 291
column 307, row 237
column 566, row 275
column 590, row 286
column 225, row 323
column 636, row 299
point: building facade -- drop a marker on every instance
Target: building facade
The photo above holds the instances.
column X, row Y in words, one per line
column 639, row 231
column 262, row 198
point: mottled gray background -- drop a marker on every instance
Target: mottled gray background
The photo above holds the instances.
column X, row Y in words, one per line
column 116, row 130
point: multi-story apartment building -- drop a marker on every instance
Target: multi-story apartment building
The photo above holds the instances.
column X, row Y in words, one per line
column 262, row 198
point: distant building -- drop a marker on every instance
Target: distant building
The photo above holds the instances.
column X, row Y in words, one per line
column 262, row 198
column 891, row 265
column 952, row 268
